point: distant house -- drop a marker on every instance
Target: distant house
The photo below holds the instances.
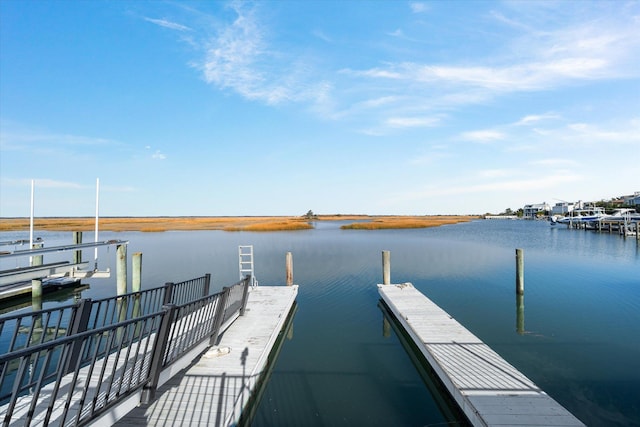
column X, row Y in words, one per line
column 532, row 211
column 563, row 208
column 632, row 200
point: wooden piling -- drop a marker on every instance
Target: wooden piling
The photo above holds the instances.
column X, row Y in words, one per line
column 77, row 240
column 36, row 284
column 519, row 272
column 136, row 273
column 289, row 268
column 386, row 267
column 121, row 270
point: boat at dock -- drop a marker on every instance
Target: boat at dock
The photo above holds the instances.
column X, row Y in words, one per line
column 579, row 216
column 623, row 214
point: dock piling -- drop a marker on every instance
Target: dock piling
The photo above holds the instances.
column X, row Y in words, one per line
column 77, row 240
column 386, row 267
column 36, row 284
column 136, row 274
column 121, row 269
column 289, row 268
column 519, row 272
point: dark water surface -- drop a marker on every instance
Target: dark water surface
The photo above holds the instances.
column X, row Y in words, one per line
column 581, row 342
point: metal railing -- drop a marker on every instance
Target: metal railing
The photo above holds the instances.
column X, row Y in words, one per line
column 100, row 360
column 24, row 330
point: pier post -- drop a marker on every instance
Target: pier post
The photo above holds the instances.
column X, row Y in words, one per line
column 121, row 269
column 289, row 268
column 77, row 240
column 136, row 274
column 36, row 284
column 519, row 272
column 386, row 267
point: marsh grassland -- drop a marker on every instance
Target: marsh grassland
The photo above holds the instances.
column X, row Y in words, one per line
column 257, row 223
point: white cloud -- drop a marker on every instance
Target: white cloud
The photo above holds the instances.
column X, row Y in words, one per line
column 412, row 122
column 16, row 137
column 497, row 173
column 240, row 58
column 40, row 183
column 554, row 162
column 168, row 24
column 483, row 136
column 158, row 155
column 589, row 133
column 418, row 7
column 517, row 185
column 532, row 119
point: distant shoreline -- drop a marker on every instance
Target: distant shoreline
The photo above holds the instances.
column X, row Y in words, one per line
column 240, row 223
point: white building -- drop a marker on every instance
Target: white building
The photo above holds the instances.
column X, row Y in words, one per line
column 531, row 211
column 632, row 200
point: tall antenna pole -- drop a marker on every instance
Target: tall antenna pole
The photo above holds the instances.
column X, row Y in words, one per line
column 31, row 220
column 95, row 257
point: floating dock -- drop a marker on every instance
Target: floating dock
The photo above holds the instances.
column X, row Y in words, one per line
column 217, row 388
column 488, row 390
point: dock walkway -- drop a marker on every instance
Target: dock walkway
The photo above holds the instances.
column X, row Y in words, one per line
column 489, row 390
column 216, row 388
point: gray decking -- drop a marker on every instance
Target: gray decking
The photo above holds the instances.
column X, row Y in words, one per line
column 215, row 389
column 488, row 389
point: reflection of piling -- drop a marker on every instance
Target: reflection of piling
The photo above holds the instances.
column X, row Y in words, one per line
column 520, row 314
column 121, row 269
column 36, row 305
column 290, row 332
column 386, row 327
column 136, row 273
column 289, row 268
column 386, row 267
column 77, row 240
column 519, row 272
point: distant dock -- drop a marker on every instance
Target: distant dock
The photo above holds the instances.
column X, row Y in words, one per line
column 489, row 390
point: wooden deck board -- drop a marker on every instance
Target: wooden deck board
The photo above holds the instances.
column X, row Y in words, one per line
column 489, row 390
column 215, row 389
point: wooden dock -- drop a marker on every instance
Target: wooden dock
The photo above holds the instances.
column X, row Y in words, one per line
column 217, row 387
column 489, row 390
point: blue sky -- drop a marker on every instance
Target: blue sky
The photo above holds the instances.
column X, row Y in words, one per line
column 278, row 107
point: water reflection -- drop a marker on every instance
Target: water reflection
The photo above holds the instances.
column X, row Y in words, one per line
column 520, row 313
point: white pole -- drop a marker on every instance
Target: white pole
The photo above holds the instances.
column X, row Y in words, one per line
column 97, row 215
column 31, row 218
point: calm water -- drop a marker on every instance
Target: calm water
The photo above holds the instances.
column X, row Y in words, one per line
column 582, row 312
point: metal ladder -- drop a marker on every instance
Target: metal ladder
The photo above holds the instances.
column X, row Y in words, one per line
column 245, row 263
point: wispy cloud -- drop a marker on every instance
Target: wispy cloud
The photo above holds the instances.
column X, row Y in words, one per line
column 482, row 136
column 240, row 58
column 157, row 155
column 41, row 183
column 168, row 24
column 418, row 7
column 535, row 118
column 413, row 122
column 518, row 185
column 554, row 162
column 244, row 57
column 497, row 173
column 15, row 137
